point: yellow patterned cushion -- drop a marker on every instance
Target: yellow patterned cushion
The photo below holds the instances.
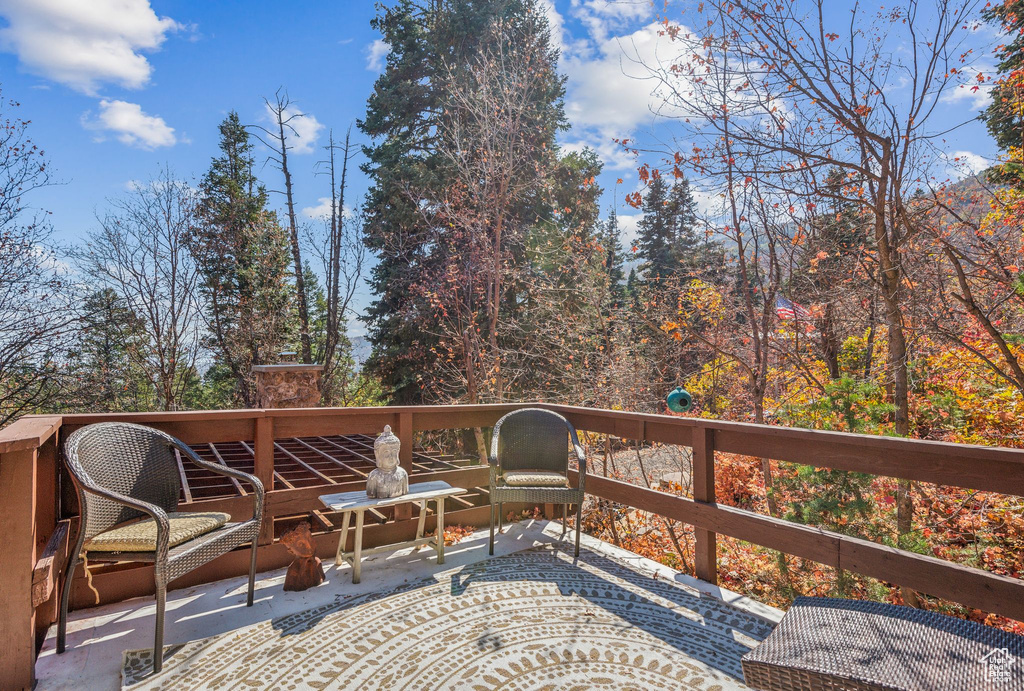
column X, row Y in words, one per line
column 534, row 478
column 140, row 536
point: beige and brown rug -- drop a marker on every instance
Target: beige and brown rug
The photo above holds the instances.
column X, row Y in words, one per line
column 532, row 620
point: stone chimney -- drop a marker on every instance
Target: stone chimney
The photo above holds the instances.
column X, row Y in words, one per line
column 289, row 384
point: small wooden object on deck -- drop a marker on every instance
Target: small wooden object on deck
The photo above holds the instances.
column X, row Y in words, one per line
column 307, row 570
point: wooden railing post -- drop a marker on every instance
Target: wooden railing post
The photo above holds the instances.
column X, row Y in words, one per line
column 404, row 434
column 705, row 541
column 18, row 526
column 263, row 468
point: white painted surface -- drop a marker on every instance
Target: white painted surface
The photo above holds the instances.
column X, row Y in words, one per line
column 98, row 637
column 421, row 491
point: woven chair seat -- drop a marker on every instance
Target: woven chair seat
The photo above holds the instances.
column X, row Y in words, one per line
column 827, row 643
column 140, row 536
column 534, row 478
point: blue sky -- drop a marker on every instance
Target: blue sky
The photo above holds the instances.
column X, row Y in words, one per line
column 118, row 88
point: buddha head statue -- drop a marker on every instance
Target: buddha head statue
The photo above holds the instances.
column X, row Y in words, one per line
column 386, row 448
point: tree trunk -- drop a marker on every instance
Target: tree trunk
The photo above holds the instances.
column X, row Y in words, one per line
column 300, row 283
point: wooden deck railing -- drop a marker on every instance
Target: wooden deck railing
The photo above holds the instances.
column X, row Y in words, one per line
column 301, row 454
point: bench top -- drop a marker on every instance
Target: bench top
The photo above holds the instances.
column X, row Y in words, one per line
column 421, row 491
column 877, row 645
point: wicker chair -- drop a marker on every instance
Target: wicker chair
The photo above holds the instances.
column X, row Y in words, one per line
column 123, row 471
column 529, row 462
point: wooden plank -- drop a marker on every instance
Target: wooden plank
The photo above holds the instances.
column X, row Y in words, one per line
column 283, row 502
column 220, row 459
column 46, row 573
column 332, row 422
column 982, row 468
column 28, row 432
column 332, row 459
column 181, row 474
column 703, row 476
column 404, row 432
column 352, row 439
column 186, row 427
column 458, row 417
column 17, row 615
column 969, row 586
column 327, row 479
column 995, row 469
column 421, row 491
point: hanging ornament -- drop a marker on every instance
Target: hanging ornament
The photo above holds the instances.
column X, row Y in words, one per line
column 679, row 400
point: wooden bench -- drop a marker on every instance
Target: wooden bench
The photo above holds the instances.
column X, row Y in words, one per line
column 357, row 502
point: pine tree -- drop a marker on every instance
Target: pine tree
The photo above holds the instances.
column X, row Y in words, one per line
column 107, row 378
column 409, row 114
column 1004, row 114
column 614, row 259
column 242, row 253
column 656, row 235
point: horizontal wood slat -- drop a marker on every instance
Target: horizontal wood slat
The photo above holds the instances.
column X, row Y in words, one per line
column 984, row 590
column 283, row 502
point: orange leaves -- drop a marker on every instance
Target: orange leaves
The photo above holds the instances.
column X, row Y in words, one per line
column 634, row 199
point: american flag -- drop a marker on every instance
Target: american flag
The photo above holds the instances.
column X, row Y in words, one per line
column 790, row 310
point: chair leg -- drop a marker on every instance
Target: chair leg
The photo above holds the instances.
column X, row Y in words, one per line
column 579, row 523
column 490, row 549
column 252, row 573
column 65, row 598
column 158, row 641
column 501, row 518
column 565, row 521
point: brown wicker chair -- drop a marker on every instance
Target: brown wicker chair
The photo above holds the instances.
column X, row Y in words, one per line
column 123, row 471
column 529, row 462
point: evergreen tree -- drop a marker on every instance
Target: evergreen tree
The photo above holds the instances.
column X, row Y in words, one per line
column 242, row 254
column 409, row 117
column 107, row 378
column 1005, row 114
column 656, row 234
column 614, row 261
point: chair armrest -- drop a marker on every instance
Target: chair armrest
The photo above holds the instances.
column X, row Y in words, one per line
column 258, row 490
column 159, row 516
column 581, row 456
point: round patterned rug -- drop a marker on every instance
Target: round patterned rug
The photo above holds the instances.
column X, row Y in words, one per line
column 537, row 619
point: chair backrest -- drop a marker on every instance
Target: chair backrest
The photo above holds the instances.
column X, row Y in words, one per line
column 128, row 459
column 532, row 439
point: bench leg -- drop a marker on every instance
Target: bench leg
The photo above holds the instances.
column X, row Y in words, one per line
column 440, row 531
column 357, row 557
column 339, row 558
column 422, row 522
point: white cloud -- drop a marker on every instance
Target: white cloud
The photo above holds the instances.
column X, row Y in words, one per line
column 611, row 89
column 601, row 17
column 976, row 96
column 376, row 52
column 615, row 92
column 305, row 129
column 130, row 125
column 967, row 162
column 322, row 210
column 84, row 43
column 629, row 230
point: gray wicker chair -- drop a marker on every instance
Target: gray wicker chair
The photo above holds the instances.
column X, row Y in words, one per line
column 123, row 471
column 533, row 444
